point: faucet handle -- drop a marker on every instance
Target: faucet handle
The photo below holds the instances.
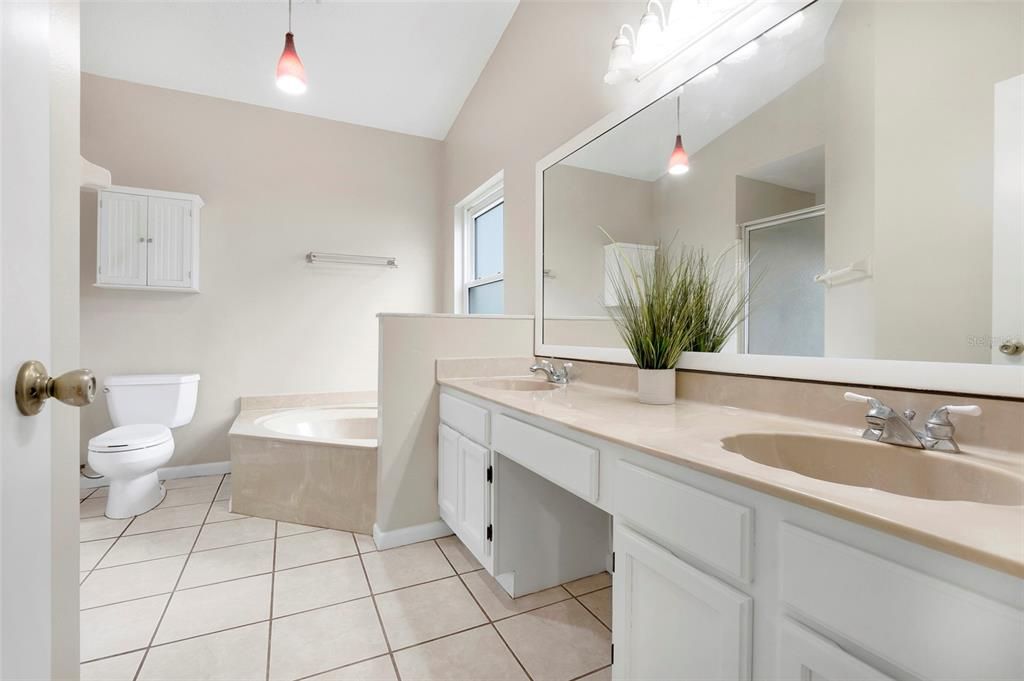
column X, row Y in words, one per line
column 867, row 399
column 965, row 410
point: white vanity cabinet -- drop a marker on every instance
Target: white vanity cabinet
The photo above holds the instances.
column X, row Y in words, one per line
column 147, row 240
column 464, row 474
column 715, row 580
column 672, row 621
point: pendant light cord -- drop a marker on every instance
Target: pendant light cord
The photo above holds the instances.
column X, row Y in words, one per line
column 289, row 16
column 678, row 130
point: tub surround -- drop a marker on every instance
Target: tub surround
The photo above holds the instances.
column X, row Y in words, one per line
column 690, row 433
column 299, row 479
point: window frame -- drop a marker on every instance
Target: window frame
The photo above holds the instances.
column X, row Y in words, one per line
column 488, row 196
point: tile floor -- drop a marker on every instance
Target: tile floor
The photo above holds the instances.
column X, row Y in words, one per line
column 193, row 591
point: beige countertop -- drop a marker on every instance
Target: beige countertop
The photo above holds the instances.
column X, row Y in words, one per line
column 690, row 434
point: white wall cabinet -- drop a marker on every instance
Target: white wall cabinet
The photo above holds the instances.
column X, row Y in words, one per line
column 147, row 240
column 672, row 621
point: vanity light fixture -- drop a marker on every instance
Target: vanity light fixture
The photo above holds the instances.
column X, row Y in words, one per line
column 650, row 37
column 620, row 63
column 679, row 161
column 291, row 74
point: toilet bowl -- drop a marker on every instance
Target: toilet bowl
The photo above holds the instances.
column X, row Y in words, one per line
column 143, row 409
column 129, row 457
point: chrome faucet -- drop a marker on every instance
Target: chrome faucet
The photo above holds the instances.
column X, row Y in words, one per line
column 554, row 374
column 886, row 425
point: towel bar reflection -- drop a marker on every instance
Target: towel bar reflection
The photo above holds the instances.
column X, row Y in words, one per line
column 315, row 257
column 852, row 272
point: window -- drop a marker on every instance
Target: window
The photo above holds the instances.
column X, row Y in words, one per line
column 479, row 236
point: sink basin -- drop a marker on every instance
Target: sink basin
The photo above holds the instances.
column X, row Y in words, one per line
column 899, row 470
column 517, row 384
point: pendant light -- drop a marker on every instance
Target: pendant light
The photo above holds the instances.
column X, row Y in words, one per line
column 678, row 162
column 291, row 74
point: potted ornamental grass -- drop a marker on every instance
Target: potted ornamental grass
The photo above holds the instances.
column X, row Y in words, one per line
column 670, row 301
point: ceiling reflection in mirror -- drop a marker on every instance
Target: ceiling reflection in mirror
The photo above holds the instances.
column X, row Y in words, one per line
column 862, row 162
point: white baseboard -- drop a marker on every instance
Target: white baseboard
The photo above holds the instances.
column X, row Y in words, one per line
column 193, row 470
column 409, row 535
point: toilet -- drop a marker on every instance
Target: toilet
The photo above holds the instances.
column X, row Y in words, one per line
column 143, row 409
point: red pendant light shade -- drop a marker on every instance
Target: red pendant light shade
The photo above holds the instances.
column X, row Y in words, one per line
column 678, row 162
column 291, row 75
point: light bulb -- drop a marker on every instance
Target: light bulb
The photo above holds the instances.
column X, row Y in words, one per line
column 291, row 74
column 650, row 37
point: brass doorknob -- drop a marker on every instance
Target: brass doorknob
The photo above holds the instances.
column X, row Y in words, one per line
column 34, row 386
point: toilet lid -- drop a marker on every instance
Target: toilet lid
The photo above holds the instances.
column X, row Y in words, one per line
column 127, row 438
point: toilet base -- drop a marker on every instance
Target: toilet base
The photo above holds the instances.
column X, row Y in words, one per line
column 128, row 498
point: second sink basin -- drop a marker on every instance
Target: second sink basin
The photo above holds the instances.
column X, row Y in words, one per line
column 517, row 384
column 899, row 470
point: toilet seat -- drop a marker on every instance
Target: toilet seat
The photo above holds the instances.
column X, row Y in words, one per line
column 130, row 438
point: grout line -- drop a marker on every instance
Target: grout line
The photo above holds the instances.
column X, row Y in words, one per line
column 184, row 565
column 487, row 616
column 270, row 625
column 575, row 598
column 345, row 666
column 380, row 620
column 583, row 676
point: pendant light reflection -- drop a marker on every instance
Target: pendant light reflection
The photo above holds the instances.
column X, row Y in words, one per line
column 291, row 74
column 679, row 161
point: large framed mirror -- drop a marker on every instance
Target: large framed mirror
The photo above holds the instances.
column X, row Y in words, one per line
column 859, row 165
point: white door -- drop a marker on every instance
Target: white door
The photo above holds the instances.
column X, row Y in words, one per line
column 38, row 520
column 121, row 242
column 1008, row 220
column 448, row 474
column 170, row 243
column 805, row 656
column 672, row 622
column 474, row 498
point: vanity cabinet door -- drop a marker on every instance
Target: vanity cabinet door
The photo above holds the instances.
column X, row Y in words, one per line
column 473, row 505
column 448, row 474
column 672, row 621
column 805, row 656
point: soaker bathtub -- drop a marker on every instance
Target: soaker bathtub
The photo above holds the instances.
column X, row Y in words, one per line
column 312, row 465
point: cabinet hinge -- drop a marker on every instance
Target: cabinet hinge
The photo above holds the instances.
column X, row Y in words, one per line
column 490, row 474
column 613, row 653
column 613, row 561
column 490, row 533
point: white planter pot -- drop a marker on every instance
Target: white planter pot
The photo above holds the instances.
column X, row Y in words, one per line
column 656, row 386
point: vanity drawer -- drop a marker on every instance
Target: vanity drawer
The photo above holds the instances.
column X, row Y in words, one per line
column 562, row 461
column 469, row 419
column 686, row 520
column 917, row 622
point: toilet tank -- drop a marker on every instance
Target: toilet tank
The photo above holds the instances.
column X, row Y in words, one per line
column 167, row 399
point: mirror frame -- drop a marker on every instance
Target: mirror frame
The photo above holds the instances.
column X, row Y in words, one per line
column 741, row 28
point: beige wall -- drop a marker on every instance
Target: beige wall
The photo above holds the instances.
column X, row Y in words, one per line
column 407, row 450
column 276, row 185
column 576, row 202
column 541, row 86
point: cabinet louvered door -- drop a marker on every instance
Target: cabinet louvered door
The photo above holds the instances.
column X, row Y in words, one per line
column 122, row 239
column 170, row 243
